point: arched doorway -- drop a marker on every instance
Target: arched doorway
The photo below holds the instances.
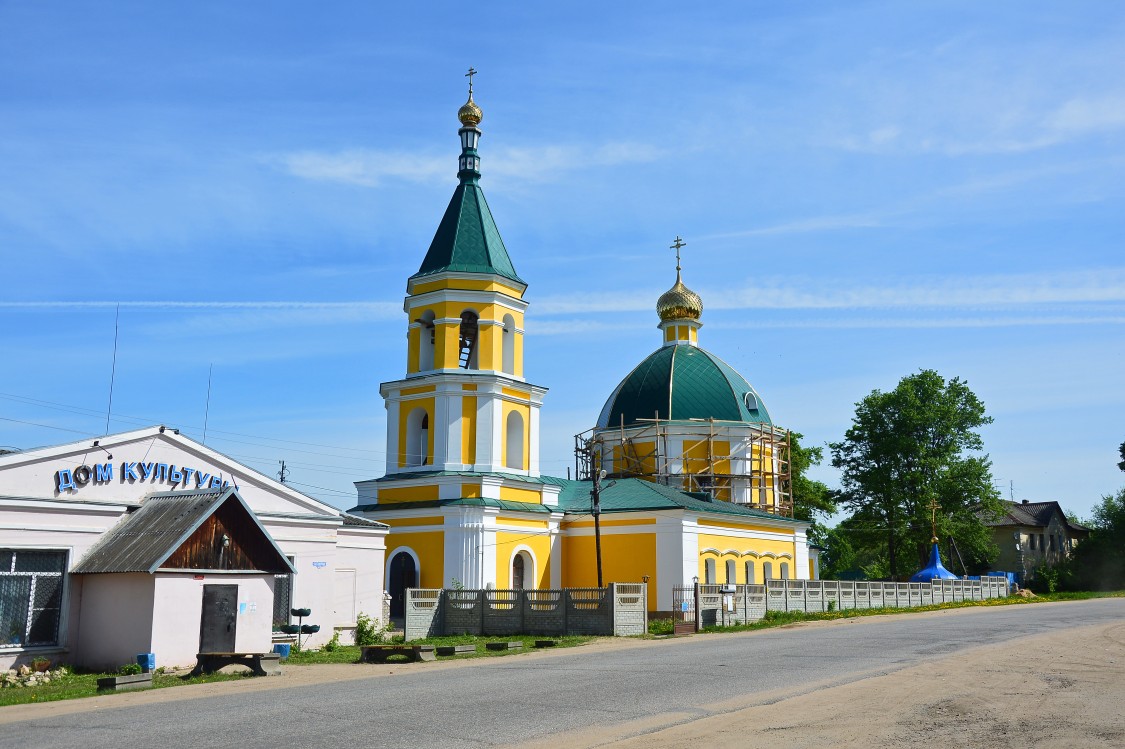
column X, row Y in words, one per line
column 403, row 574
column 518, row 572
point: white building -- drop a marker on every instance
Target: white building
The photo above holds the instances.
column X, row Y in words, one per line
column 57, row 502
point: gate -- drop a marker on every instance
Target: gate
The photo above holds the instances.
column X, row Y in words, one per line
column 683, row 610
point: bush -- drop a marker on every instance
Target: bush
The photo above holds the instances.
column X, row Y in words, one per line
column 129, row 669
column 334, row 643
column 368, row 630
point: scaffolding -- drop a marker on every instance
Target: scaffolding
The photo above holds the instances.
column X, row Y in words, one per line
column 748, row 464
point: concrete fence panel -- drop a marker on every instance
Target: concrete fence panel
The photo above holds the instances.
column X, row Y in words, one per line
column 630, row 609
column 422, row 608
column 544, row 612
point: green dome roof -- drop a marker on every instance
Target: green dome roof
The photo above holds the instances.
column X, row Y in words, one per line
column 677, row 383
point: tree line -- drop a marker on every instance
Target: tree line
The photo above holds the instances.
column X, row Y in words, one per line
column 913, row 466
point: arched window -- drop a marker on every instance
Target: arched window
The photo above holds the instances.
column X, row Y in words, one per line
column 508, row 346
column 785, row 570
column 709, row 572
column 767, row 570
column 732, row 576
column 513, row 441
column 523, row 571
column 417, row 438
column 426, row 341
column 749, row 573
column 470, row 335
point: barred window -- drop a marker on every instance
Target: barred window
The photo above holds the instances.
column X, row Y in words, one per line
column 282, row 598
column 31, row 588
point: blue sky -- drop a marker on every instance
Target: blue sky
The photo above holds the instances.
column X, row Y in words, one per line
column 866, row 189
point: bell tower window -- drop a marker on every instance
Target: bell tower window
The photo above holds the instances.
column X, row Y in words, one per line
column 426, row 341
column 508, row 346
column 469, row 336
column 513, row 440
column 417, row 438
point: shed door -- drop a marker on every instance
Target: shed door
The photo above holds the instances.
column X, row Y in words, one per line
column 220, row 612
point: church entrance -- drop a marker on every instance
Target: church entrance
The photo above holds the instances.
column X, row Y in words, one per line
column 403, row 575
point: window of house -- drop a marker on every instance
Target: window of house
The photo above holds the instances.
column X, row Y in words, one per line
column 1041, row 544
column 1051, row 541
column 282, row 597
column 749, row 573
column 31, row 589
column 731, row 574
column 709, row 572
column 1031, row 541
column 785, row 570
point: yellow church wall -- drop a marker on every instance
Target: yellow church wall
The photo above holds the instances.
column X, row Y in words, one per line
column 409, row 494
column 470, row 491
column 517, row 342
column 626, row 558
column 507, row 542
column 413, row 338
column 417, row 391
column 489, row 354
column 724, row 543
column 405, row 409
column 514, row 494
column 430, row 548
column 407, row 522
column 610, row 523
column 525, row 412
column 461, row 284
column 468, row 430
column 522, row 522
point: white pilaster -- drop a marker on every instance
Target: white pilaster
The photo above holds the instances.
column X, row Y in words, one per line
column 392, row 435
column 800, row 555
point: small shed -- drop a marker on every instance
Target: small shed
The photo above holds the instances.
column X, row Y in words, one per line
column 183, row 573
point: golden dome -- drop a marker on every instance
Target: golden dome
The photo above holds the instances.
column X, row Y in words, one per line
column 679, row 303
column 470, row 114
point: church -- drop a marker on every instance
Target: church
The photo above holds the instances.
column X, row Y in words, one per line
column 691, row 474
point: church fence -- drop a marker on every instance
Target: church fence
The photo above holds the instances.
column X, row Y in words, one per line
column 749, row 603
column 620, row 609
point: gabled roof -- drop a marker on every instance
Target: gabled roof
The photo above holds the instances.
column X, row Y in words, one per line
column 1035, row 514
column 145, row 539
column 467, row 240
column 681, row 382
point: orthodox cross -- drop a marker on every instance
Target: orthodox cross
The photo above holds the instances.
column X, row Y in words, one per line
column 470, row 75
column 676, row 246
column 933, row 518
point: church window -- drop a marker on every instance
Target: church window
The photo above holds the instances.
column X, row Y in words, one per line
column 513, row 441
column 750, row 401
column 426, row 341
column 522, row 571
column 785, row 570
column 732, row 576
column 767, row 570
column 417, row 438
column 469, row 336
column 709, row 572
column 749, row 573
column 508, row 346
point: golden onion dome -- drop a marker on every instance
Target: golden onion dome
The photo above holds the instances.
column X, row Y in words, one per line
column 679, row 303
column 470, row 114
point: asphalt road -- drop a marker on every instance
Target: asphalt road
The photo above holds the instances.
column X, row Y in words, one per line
column 507, row 700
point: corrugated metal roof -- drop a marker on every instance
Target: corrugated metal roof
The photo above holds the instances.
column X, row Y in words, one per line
column 1036, row 514
column 146, row 537
column 356, row 520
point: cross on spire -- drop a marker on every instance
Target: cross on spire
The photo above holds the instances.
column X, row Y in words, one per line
column 933, row 518
column 676, row 246
column 469, row 75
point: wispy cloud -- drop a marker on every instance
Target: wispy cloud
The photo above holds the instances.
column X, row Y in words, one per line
column 373, row 307
column 370, row 168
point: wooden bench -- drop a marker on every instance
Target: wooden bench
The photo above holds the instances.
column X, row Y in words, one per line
column 380, row 653
column 262, row 664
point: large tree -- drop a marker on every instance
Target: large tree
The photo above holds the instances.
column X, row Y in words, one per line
column 905, row 450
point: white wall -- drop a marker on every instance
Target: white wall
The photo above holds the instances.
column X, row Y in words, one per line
column 116, row 620
column 178, row 610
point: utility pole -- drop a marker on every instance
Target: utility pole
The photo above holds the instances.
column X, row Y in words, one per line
column 595, row 494
column 283, row 473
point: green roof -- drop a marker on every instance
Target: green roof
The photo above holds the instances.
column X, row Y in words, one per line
column 503, row 504
column 467, row 240
column 681, row 382
column 634, row 495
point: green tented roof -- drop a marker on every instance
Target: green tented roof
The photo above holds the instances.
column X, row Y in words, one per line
column 467, row 239
column 677, row 383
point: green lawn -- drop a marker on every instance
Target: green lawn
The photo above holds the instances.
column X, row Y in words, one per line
column 86, row 685
column 350, row 653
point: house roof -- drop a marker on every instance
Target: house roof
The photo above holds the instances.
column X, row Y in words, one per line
column 147, row 537
column 681, row 382
column 1036, row 514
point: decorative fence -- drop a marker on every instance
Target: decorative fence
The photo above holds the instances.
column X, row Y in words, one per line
column 749, row 603
column 620, row 610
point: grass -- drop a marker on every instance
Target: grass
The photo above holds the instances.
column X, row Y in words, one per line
column 782, row 618
column 78, row 685
column 350, row 653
